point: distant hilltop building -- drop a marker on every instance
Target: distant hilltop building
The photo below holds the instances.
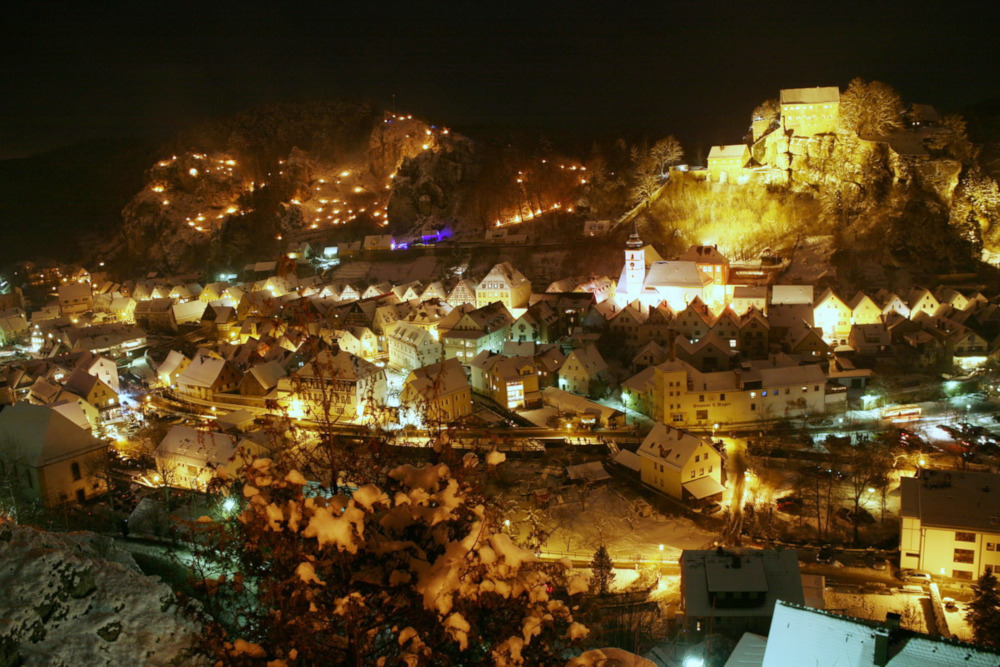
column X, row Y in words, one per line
column 809, row 111
column 726, row 163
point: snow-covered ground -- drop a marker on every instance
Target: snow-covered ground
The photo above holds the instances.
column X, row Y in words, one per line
column 73, row 599
column 913, row 609
column 580, row 520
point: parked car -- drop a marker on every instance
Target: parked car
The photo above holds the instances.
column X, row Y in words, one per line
column 949, row 604
column 711, row 508
column 789, row 504
column 876, row 562
column 915, row 576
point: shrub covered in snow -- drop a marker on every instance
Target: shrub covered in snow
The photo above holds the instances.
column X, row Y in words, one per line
column 411, row 570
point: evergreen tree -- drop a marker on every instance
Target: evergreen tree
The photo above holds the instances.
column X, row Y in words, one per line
column 603, row 570
column 984, row 611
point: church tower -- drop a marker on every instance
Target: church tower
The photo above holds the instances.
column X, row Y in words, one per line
column 635, row 265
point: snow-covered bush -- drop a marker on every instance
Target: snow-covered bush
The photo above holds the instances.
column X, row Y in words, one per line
column 412, row 570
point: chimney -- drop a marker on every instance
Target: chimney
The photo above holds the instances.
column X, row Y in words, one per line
column 892, row 620
column 881, row 658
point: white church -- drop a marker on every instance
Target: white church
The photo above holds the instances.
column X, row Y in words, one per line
column 649, row 280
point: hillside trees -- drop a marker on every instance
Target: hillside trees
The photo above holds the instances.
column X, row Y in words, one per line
column 870, row 108
column 975, row 209
column 408, row 569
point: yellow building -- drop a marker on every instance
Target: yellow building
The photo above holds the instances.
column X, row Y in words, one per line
column 833, row 317
column 47, row 458
column 680, row 464
column 438, row 393
column 864, row 310
column 505, row 284
column 189, row 458
column 809, row 111
column 726, row 163
column 680, row 395
column 950, row 523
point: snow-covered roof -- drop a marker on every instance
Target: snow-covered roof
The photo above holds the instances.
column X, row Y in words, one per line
column 670, row 445
column 674, row 274
column 628, row 459
column 174, row 359
column 440, row 379
column 791, row 295
column 235, row 419
column 268, row 374
column 784, row 376
column 592, row 471
column 203, row 371
column 196, row 447
column 39, row 435
column 803, row 636
column 727, row 151
column 749, row 651
column 817, row 95
column 703, row 487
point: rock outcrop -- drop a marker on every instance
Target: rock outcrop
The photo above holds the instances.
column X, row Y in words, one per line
column 73, row 599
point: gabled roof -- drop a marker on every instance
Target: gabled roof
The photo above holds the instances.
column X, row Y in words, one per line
column 202, row 372
column 72, row 291
column 727, row 151
column 267, row 374
column 197, row 447
column 38, row 435
column 675, row 274
column 801, row 635
column 505, row 273
column 670, row 446
column 81, row 383
column 338, row 366
column 440, row 379
column 590, row 359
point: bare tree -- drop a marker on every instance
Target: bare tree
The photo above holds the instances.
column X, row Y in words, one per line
column 666, row 152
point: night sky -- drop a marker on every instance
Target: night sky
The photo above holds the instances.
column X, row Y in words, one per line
column 694, row 69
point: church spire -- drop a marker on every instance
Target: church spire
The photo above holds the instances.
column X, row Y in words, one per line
column 634, row 242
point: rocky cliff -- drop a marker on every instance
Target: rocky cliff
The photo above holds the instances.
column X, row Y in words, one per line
column 73, row 599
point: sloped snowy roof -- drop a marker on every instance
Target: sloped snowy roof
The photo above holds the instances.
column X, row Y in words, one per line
column 197, row 447
column 672, row 446
column 727, row 151
column 674, row 274
column 202, row 372
column 804, row 636
column 40, row 436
